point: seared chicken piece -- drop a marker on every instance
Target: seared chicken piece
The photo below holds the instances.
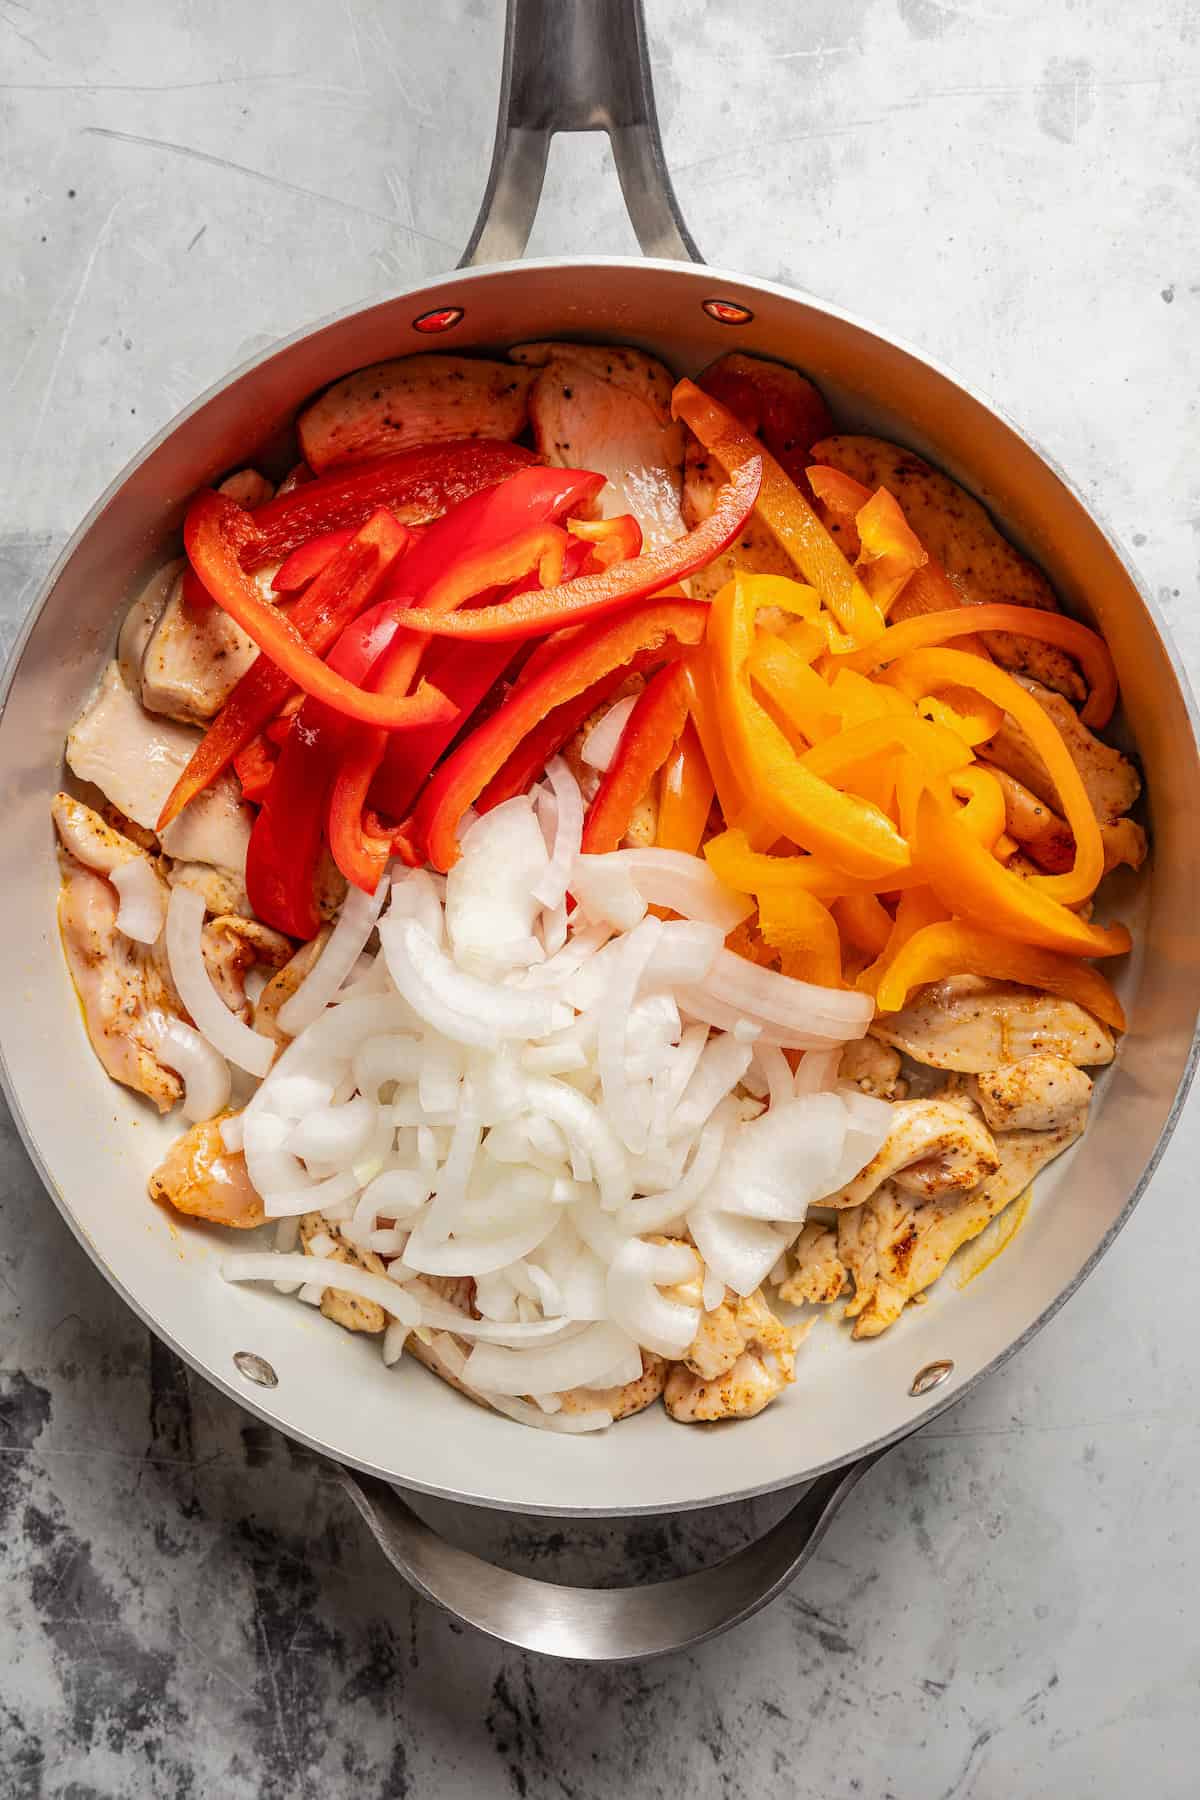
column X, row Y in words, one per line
column 1045, row 838
column 143, row 615
column 247, row 488
column 1112, row 782
column 193, row 660
column 975, row 1025
column 121, row 985
column 344, row 1309
column 233, row 946
column 135, row 758
column 874, row 1068
column 981, row 564
column 786, row 412
column 895, row 1250
column 1124, row 842
column 198, row 1176
column 741, row 1358
column 1040, row 1093
column 816, row 1276
column 932, row 1147
column 622, row 1402
column 284, row 983
column 414, row 400
column 609, row 409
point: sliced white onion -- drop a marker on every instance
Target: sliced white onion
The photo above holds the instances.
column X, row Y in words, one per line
column 697, row 1003
column 204, row 1073
column 490, row 902
column 416, row 894
column 450, row 1192
column 428, row 1255
column 394, row 1339
column 816, row 1071
column 554, row 928
column 573, row 1423
column 462, row 1007
column 604, row 889
column 143, row 908
column 226, row 1033
column 780, row 1000
column 684, row 955
column 550, row 888
column 550, row 1368
column 712, row 1293
column 635, row 1301
column 586, row 1126
column 739, row 1252
column 391, row 1056
column 721, row 1065
column 346, row 1278
column 600, row 745
column 679, row 1071
column 583, row 944
column 657, row 1211
column 775, row 1067
column 684, row 883
column 231, row 1128
column 779, row 1163
column 356, row 922
column 630, row 1120
column 336, row 1134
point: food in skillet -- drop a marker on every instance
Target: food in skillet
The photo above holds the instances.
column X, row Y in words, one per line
column 606, row 867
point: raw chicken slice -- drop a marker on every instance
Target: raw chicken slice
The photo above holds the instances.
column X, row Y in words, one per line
column 957, row 531
column 135, row 759
column 1039, row 1093
column 816, row 1274
column 895, row 1250
column 932, row 1147
column 609, row 409
column 193, row 660
column 121, row 985
column 974, row 1025
column 142, row 615
column 90, row 839
column 232, row 946
column 1112, row 782
column 414, row 400
column 199, row 1177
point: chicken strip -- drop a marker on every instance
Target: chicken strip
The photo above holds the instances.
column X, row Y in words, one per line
column 1111, row 781
column 974, row 1025
column 233, row 946
column 1039, row 1093
column 874, row 1068
column 608, row 408
column 738, row 1389
column 89, row 838
column 199, row 1177
column 192, row 661
column 933, row 1147
column 895, row 1250
column 283, row 985
column 622, row 1402
column 415, row 400
column 141, row 617
column 347, row 1310
column 956, row 530
column 817, row 1276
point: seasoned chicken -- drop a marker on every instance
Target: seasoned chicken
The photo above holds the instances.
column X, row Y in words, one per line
column 135, row 758
column 220, row 889
column 142, row 616
column 609, row 409
column 414, row 400
column 1124, row 842
column 894, row 1249
column 198, row 1176
column 981, row 564
column 247, row 488
column 1039, row 1093
column 816, row 1275
column 622, row 1402
column 932, row 1147
column 874, row 1068
column 121, row 985
column 193, row 660
column 233, row 946
column 344, row 1309
column 749, row 1358
column 283, row 985
column 90, row 839
column 1112, row 782
column 1045, row 838
column 975, row 1025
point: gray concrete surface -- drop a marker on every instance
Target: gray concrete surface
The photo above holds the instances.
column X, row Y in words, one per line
column 1005, row 1607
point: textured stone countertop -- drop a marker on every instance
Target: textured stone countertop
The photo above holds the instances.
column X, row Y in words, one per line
column 1005, row 1607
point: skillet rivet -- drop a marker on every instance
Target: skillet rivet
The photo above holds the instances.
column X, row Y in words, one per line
column 442, row 318
column 727, row 312
column 931, row 1376
column 255, row 1368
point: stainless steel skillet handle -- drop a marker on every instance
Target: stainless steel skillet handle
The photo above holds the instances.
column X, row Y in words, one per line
column 600, row 1625
column 576, row 65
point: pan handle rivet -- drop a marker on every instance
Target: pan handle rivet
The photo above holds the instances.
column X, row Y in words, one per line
column 931, row 1376
column 442, row 318
column 255, row 1368
column 727, row 312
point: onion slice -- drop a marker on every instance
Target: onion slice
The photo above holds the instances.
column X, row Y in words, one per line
column 143, row 908
column 600, row 744
column 356, row 922
column 204, row 1073
column 549, row 889
column 227, row 1034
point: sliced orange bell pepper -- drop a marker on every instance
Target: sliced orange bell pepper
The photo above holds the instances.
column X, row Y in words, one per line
column 686, row 793
column 784, row 510
column 973, row 717
column 983, row 814
column 956, row 948
column 890, row 550
column 853, row 835
column 970, row 882
column 863, row 922
column 923, row 670
column 839, row 492
column 917, row 907
column 1088, row 649
column 739, row 865
column 795, row 923
column 702, row 708
column 937, row 750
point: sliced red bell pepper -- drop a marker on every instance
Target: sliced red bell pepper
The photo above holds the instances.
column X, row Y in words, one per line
column 416, row 485
column 611, row 540
column 604, row 645
column 209, row 536
column 255, row 766
column 465, row 673
column 298, row 569
column 591, row 596
column 529, row 759
column 651, row 732
column 333, row 599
